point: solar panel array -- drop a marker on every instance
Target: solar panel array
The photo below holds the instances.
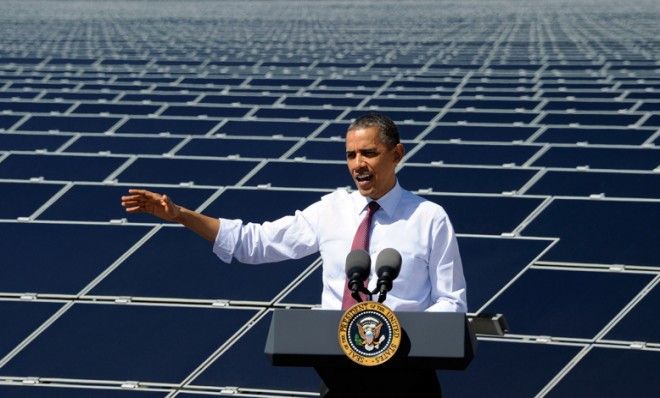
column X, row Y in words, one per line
column 534, row 124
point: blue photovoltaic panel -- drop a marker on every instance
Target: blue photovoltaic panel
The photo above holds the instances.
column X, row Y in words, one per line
column 68, row 256
column 608, row 136
column 239, row 99
column 6, row 121
column 166, row 125
column 588, row 105
column 102, row 203
column 491, row 215
column 148, row 343
column 489, row 117
column 654, row 121
column 20, row 320
column 302, row 175
column 509, row 369
column 281, row 82
column 480, row 133
column 612, row 184
column 406, row 131
column 74, row 124
column 36, row 107
column 280, row 204
column 210, row 111
column 641, row 323
column 407, row 103
column 295, row 113
column 177, row 171
column 120, row 109
column 459, row 179
column 159, row 268
column 490, row 263
column 23, row 199
column 27, row 391
column 245, row 364
column 495, row 104
column 19, row 94
column 123, row 145
column 600, row 158
column 350, row 83
column 321, row 101
column 397, row 116
column 264, row 128
column 566, row 303
column 612, row 372
column 59, row 167
column 246, row 148
column 176, row 98
column 65, row 95
column 322, row 150
column 600, row 119
column 23, row 142
column 474, row 154
column 308, row 292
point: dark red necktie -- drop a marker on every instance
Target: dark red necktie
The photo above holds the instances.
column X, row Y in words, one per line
column 360, row 241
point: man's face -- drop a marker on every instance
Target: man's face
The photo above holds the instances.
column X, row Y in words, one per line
column 371, row 162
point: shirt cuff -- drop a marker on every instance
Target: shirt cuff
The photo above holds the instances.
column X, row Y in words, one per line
column 225, row 242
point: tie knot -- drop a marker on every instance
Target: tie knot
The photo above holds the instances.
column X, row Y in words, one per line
column 373, row 206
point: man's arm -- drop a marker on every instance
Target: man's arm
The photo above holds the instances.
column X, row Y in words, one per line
column 448, row 291
column 161, row 206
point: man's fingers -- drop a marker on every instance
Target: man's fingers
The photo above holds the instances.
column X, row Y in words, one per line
column 136, row 209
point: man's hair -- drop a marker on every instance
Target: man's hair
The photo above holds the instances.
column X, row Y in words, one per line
column 389, row 133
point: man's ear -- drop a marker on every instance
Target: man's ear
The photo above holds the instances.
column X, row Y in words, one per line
column 399, row 151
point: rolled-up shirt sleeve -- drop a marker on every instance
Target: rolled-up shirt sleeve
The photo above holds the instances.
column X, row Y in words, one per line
column 289, row 237
column 448, row 290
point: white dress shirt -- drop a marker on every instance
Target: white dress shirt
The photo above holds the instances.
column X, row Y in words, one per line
column 431, row 276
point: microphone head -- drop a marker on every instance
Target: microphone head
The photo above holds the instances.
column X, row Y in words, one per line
column 388, row 260
column 358, row 262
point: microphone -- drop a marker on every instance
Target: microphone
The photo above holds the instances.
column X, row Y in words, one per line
column 358, row 264
column 388, row 265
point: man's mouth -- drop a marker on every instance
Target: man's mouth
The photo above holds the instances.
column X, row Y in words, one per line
column 364, row 177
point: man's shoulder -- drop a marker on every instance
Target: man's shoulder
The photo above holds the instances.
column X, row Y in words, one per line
column 413, row 201
column 338, row 195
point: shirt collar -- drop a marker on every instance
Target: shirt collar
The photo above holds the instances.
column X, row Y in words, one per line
column 387, row 202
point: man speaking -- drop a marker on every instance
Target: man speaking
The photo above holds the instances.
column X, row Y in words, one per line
column 380, row 215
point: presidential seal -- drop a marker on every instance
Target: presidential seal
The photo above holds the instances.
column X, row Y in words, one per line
column 369, row 333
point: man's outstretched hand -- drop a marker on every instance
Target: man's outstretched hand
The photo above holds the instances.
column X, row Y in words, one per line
column 143, row 201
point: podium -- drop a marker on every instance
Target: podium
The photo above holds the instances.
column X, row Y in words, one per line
column 429, row 341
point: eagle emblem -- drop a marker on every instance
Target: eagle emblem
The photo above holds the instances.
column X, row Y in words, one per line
column 369, row 336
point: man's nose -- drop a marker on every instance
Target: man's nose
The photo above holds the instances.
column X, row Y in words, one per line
column 359, row 160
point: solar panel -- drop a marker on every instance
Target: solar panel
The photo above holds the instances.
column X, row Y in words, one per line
column 580, row 224
column 148, row 343
column 74, row 257
column 611, row 371
column 534, row 305
column 59, row 167
column 123, row 145
column 138, row 125
column 474, row 154
column 514, row 368
column 33, row 142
